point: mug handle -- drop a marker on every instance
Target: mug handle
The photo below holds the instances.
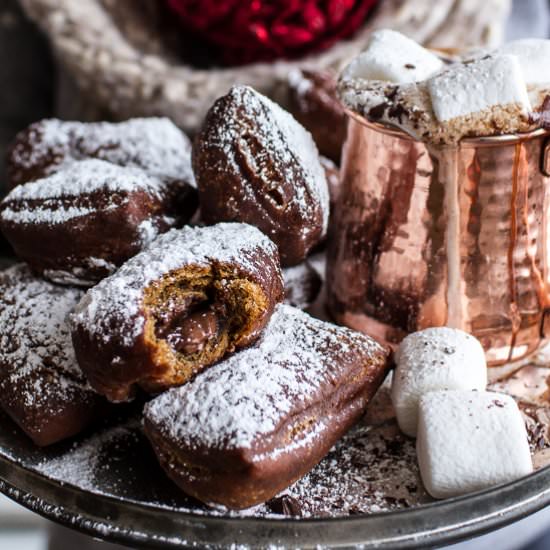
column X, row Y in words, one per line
column 545, row 158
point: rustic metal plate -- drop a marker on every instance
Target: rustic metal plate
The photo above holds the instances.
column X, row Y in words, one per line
column 131, row 501
column 115, row 490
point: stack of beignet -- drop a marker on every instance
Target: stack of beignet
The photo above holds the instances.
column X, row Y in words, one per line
column 248, row 394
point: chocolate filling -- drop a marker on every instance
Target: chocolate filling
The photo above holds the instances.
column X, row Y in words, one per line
column 190, row 323
column 192, row 333
column 195, row 316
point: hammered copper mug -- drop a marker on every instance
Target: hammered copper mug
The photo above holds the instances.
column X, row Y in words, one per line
column 455, row 236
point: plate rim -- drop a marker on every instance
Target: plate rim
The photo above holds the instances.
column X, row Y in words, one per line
column 437, row 523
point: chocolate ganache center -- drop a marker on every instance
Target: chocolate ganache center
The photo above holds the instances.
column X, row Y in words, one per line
column 192, row 333
column 190, row 322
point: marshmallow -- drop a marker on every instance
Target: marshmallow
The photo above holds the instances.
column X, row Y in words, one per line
column 468, row 441
column 534, row 58
column 433, row 359
column 391, row 56
column 473, row 87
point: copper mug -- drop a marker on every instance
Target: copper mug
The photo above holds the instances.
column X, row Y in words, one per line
column 456, row 236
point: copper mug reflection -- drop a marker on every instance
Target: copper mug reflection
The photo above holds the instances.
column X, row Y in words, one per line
column 457, row 236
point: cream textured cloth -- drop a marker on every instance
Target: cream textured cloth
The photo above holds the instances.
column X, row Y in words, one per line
column 118, row 60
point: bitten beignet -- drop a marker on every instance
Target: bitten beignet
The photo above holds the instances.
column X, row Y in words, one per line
column 41, row 386
column 193, row 296
column 245, row 429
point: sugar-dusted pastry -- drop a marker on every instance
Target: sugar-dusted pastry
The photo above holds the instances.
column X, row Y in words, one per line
column 254, row 163
column 79, row 224
column 469, row 441
column 302, row 285
column 438, row 358
column 193, row 296
column 41, row 386
column 156, row 145
column 245, row 429
column 313, row 101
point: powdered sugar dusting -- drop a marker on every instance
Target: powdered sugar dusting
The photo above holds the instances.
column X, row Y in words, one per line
column 35, row 337
column 249, row 394
column 57, row 193
column 371, row 469
column 82, row 466
column 302, row 146
column 85, row 177
column 155, row 145
column 110, row 309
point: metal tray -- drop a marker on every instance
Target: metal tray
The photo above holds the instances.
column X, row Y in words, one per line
column 133, row 503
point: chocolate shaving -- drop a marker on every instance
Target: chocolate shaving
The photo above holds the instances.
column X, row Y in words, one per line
column 377, row 112
column 397, row 111
column 285, row 505
column 542, row 117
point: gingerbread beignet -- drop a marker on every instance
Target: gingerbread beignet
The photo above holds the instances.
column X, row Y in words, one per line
column 247, row 428
column 41, row 386
column 79, row 224
column 254, row 163
column 156, row 145
column 314, row 103
column 193, row 296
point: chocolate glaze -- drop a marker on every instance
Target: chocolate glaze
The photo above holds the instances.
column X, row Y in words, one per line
column 85, row 250
column 254, row 163
column 376, row 113
column 333, row 179
column 302, row 285
column 41, row 386
column 542, row 117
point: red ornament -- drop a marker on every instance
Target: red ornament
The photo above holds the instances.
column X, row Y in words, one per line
column 245, row 31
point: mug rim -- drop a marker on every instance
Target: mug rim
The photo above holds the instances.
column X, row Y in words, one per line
column 495, row 140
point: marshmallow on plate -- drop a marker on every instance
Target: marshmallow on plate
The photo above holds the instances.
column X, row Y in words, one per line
column 391, row 56
column 473, row 87
column 534, row 58
column 438, row 358
column 470, row 440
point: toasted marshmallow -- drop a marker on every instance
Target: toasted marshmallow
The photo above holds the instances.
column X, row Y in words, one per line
column 477, row 86
column 392, row 57
column 534, row 58
column 468, row 441
column 433, row 359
